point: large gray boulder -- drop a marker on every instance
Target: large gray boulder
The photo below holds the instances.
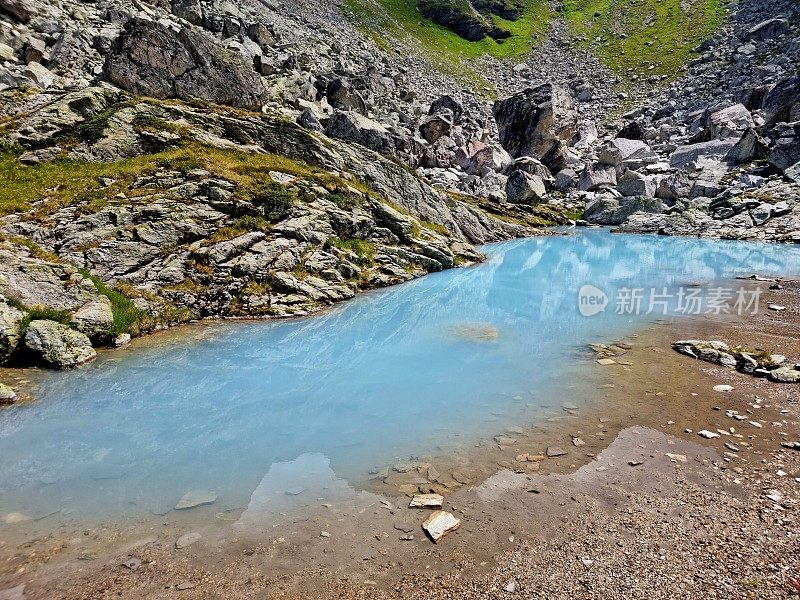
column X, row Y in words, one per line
column 621, row 149
column 783, row 100
column 596, row 176
column 95, row 318
column 58, row 345
column 150, row 59
column 524, row 188
column 354, row 127
column 538, row 122
column 608, row 210
column 10, row 320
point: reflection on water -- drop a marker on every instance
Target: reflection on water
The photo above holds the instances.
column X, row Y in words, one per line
column 412, row 370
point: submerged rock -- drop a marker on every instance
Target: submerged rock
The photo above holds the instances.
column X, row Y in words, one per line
column 58, row 345
column 195, row 498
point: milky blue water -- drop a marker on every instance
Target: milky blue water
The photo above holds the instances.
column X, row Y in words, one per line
column 412, row 370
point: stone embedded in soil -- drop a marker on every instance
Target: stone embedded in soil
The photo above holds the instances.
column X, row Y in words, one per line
column 194, row 498
column 606, row 362
column 578, row 442
column 132, row 563
column 426, row 501
column 439, row 524
column 676, row 457
column 554, row 451
column 709, row 435
column 785, row 375
column 723, row 388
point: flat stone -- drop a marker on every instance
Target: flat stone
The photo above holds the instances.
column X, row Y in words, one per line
column 439, row 524
column 723, row 388
column 554, row 451
column 709, row 435
column 606, row 362
column 676, row 457
column 7, row 395
column 578, row 442
column 194, row 498
column 15, row 593
column 187, row 540
column 426, row 501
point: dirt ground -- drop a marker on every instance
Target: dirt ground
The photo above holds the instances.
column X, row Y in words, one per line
column 638, row 506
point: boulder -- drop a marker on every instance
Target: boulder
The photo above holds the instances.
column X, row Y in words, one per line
column 448, row 103
column 341, row 94
column 8, row 395
column 434, row 127
column 150, row 59
column 488, row 158
column 524, row 188
column 597, row 176
column 95, row 318
column 10, row 321
column 538, row 122
column 730, row 122
column 39, row 75
column 750, row 147
column 609, row 210
column 781, row 101
column 768, row 30
column 692, row 152
column 632, row 183
column 21, row 10
column 785, row 375
column 58, row 345
column 621, row 149
column 354, row 127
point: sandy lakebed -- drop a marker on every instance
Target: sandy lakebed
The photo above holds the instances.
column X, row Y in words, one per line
column 634, row 505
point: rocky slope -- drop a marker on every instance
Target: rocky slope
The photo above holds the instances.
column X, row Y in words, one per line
column 180, row 159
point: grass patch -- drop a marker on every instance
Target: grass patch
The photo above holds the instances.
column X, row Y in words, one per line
column 67, row 182
column 274, row 199
column 362, row 248
column 637, row 34
column 440, row 229
column 42, row 313
column 240, row 226
column 128, row 318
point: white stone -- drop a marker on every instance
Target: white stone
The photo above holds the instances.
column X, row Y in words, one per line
column 723, row 388
column 439, row 524
column 426, row 501
column 709, row 435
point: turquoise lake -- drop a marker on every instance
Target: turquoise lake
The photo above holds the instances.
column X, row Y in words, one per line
column 412, row 370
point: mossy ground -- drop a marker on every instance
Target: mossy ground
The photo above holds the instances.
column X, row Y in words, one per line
column 646, row 36
column 48, row 186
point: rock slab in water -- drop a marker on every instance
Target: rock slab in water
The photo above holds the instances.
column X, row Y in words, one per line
column 194, row 498
column 187, row 540
column 426, row 501
column 59, row 345
column 439, row 524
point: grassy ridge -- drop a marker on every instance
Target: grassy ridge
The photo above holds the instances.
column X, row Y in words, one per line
column 638, row 34
column 624, row 34
column 447, row 50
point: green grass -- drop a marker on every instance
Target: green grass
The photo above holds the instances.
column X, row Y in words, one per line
column 447, row 50
column 362, row 248
column 638, row 34
column 48, row 186
column 42, row 313
column 127, row 317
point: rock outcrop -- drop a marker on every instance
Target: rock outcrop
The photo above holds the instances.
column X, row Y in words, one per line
column 58, row 345
column 150, row 59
